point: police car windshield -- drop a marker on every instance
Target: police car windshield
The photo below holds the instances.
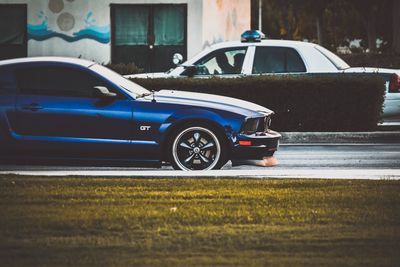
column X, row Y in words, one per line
column 339, row 63
column 119, row 80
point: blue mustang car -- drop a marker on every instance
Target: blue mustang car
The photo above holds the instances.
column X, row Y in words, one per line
column 72, row 110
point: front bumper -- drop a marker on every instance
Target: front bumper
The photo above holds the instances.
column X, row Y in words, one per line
column 256, row 146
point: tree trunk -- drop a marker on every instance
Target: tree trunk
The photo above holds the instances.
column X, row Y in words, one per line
column 370, row 21
column 396, row 26
column 371, row 32
column 320, row 35
column 285, row 20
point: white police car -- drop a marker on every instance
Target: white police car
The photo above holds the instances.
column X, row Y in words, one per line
column 254, row 56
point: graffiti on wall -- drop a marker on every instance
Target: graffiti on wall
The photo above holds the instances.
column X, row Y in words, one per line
column 227, row 20
column 64, row 25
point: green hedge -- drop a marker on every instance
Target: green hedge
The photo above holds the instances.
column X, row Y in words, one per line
column 344, row 102
column 124, row 69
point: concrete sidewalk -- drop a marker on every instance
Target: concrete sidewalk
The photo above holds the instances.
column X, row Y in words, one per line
column 379, row 137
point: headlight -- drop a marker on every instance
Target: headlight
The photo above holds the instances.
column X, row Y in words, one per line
column 256, row 125
column 267, row 123
column 250, row 126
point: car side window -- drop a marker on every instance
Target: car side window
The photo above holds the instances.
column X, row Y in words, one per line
column 277, row 60
column 57, row 81
column 294, row 63
column 6, row 81
column 223, row 61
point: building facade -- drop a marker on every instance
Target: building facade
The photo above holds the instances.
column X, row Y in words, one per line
column 145, row 32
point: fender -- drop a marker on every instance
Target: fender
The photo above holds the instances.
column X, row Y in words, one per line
column 229, row 127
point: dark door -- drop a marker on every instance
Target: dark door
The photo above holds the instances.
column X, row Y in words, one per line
column 57, row 113
column 148, row 35
column 12, row 31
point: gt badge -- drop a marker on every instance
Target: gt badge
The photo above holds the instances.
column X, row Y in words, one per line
column 145, row 128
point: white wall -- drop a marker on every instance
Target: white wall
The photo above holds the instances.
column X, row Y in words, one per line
column 225, row 20
column 209, row 21
column 67, row 18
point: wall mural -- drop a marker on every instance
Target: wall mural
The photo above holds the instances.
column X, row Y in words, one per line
column 66, row 22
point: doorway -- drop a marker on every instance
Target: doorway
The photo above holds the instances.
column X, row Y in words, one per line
column 13, row 37
column 148, row 35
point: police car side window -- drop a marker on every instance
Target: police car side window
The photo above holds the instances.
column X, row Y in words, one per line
column 223, row 61
column 277, row 60
column 294, row 63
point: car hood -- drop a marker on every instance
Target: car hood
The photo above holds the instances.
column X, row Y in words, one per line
column 210, row 101
column 148, row 75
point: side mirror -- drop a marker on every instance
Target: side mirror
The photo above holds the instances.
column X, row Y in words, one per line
column 177, row 59
column 103, row 92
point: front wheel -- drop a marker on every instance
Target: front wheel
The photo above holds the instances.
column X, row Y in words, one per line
column 197, row 148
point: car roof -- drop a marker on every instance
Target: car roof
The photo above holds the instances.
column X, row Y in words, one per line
column 68, row 60
column 267, row 42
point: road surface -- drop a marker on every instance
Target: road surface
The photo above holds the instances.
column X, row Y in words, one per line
column 359, row 161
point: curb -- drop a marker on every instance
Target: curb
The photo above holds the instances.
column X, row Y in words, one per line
column 387, row 137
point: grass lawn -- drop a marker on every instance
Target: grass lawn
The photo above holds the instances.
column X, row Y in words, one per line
column 198, row 222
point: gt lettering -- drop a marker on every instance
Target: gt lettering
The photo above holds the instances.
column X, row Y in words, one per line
column 145, row 128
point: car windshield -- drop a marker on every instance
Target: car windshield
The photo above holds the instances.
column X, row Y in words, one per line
column 339, row 63
column 119, row 80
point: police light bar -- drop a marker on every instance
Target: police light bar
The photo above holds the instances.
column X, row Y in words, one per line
column 252, row 36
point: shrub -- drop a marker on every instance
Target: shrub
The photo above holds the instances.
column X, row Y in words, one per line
column 337, row 102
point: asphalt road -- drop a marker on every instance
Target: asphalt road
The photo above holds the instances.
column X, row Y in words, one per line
column 352, row 156
column 359, row 161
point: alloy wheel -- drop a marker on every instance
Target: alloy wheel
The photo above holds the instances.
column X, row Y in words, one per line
column 196, row 148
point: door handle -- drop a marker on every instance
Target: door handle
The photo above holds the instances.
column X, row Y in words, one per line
column 32, row 107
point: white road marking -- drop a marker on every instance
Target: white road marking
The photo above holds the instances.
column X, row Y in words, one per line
column 263, row 173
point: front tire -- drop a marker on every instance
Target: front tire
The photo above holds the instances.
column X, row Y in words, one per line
column 197, row 148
